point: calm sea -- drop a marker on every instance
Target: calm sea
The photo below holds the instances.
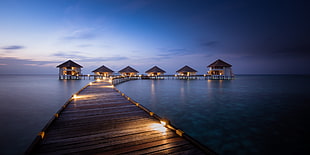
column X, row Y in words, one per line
column 27, row 103
column 267, row 114
column 248, row 115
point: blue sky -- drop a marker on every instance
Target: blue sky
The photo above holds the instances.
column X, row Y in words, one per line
column 269, row 37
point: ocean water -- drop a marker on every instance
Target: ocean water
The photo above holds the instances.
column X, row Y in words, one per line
column 27, row 103
column 261, row 114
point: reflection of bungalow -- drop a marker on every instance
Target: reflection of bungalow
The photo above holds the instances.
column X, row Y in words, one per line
column 154, row 71
column 186, row 71
column 128, row 71
column 69, row 70
column 103, row 71
column 221, row 68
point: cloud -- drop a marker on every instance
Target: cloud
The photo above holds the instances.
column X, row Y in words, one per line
column 13, row 65
column 210, row 44
column 13, row 47
column 104, row 59
column 69, row 55
column 13, row 61
column 85, row 45
column 173, row 52
column 280, row 51
column 295, row 50
column 82, row 34
column 76, row 55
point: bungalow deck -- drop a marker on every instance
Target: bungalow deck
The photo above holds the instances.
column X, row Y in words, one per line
column 101, row 120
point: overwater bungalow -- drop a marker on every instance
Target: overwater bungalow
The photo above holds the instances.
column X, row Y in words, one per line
column 69, row 70
column 220, row 68
column 186, row 71
column 128, row 71
column 154, row 71
column 103, row 71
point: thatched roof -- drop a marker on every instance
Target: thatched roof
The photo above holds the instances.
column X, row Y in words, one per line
column 220, row 63
column 128, row 69
column 155, row 69
column 103, row 69
column 69, row 63
column 186, row 69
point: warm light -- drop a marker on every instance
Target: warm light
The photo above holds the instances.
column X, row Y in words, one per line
column 159, row 127
column 179, row 132
column 85, row 97
column 90, row 83
column 42, row 134
column 111, row 86
column 88, row 75
column 164, row 123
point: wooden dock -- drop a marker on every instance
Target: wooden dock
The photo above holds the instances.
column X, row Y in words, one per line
column 101, row 120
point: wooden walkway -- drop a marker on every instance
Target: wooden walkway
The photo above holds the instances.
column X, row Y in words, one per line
column 100, row 120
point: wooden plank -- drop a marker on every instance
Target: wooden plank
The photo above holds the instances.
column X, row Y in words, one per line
column 143, row 145
column 69, row 132
column 103, row 143
column 162, row 149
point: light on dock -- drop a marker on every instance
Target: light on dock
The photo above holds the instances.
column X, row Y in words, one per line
column 41, row 134
column 109, row 86
column 158, row 127
column 163, row 122
column 75, row 96
column 90, row 83
column 179, row 132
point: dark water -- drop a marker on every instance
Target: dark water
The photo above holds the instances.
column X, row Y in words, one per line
column 27, row 103
column 248, row 115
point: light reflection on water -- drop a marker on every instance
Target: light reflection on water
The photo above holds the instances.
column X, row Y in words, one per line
column 248, row 115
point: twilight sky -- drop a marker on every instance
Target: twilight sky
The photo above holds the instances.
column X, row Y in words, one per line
column 256, row 36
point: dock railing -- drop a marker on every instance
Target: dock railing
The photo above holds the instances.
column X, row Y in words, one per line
column 120, row 79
